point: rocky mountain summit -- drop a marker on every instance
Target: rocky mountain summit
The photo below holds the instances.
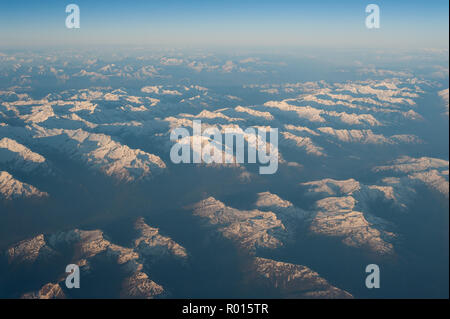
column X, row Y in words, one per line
column 87, row 247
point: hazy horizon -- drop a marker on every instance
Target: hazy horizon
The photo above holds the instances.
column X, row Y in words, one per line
column 404, row 24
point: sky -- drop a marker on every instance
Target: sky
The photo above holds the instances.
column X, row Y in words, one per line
column 329, row 24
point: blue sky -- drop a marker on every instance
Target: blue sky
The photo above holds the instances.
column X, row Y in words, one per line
column 333, row 24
